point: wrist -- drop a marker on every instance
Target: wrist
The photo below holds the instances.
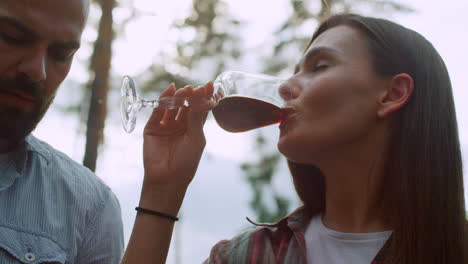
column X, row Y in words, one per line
column 156, row 213
column 162, row 198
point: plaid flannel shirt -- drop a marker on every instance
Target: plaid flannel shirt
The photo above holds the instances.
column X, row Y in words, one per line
column 282, row 242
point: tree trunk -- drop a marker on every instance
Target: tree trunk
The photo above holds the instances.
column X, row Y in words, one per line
column 99, row 68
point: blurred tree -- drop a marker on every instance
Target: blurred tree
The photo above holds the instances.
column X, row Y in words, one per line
column 207, row 41
column 291, row 37
column 99, row 84
column 289, row 41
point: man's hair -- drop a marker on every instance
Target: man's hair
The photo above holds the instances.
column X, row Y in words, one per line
column 422, row 191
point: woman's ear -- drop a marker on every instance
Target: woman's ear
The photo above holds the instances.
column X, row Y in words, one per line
column 397, row 94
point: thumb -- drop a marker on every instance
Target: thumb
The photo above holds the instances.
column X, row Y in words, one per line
column 204, row 103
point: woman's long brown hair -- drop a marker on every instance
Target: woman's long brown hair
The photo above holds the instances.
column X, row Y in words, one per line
column 422, row 192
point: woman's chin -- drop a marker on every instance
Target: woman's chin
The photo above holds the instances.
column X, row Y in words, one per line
column 297, row 152
column 287, row 150
column 282, row 146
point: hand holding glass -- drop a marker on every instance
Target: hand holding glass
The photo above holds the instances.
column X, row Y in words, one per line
column 244, row 101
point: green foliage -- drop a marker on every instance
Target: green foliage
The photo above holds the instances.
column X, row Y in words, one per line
column 291, row 37
column 268, row 204
column 212, row 43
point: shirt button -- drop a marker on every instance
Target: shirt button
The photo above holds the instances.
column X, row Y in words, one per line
column 29, row 257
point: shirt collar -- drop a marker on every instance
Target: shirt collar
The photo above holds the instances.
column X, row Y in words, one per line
column 297, row 220
column 19, row 155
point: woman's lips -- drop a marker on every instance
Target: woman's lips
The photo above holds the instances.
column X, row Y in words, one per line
column 287, row 114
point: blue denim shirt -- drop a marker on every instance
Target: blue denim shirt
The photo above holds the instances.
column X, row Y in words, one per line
column 53, row 210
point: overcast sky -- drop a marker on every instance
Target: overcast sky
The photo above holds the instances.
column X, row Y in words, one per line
column 216, row 203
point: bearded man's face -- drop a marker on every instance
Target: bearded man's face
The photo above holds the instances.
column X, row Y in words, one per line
column 38, row 40
column 23, row 103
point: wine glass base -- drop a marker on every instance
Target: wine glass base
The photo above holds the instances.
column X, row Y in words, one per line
column 129, row 104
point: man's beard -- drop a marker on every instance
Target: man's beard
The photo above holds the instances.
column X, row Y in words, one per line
column 17, row 123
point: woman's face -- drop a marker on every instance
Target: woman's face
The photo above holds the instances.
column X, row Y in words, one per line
column 332, row 98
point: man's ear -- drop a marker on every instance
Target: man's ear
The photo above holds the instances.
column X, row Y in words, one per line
column 397, row 94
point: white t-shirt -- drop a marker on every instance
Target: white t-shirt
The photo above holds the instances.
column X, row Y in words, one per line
column 328, row 246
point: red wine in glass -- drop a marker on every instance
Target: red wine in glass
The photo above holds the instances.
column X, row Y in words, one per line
column 240, row 113
column 234, row 91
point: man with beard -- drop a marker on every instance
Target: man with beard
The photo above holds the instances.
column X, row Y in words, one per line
column 53, row 210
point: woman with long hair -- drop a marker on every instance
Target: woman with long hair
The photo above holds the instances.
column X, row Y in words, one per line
column 372, row 144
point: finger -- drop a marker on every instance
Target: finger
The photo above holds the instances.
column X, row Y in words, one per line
column 182, row 115
column 170, row 114
column 205, row 91
column 209, row 103
column 210, row 94
column 203, row 97
column 198, row 114
column 185, row 92
column 170, row 90
column 155, row 118
column 210, row 89
column 158, row 113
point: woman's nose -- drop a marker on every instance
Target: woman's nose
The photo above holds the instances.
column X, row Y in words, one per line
column 285, row 91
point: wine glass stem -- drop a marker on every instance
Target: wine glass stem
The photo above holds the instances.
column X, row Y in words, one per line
column 149, row 103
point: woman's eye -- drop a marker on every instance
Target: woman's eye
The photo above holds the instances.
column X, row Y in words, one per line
column 320, row 67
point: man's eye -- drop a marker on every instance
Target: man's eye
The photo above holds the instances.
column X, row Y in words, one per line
column 12, row 40
column 62, row 55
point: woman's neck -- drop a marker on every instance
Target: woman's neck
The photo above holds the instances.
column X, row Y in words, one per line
column 353, row 181
column 351, row 205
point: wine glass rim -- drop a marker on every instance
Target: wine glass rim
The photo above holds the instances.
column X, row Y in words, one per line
column 251, row 73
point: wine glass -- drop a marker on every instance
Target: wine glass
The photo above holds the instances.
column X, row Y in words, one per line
column 249, row 93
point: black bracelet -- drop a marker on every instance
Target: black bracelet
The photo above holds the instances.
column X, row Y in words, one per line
column 139, row 209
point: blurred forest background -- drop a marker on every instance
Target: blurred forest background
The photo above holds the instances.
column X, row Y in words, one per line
column 200, row 39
